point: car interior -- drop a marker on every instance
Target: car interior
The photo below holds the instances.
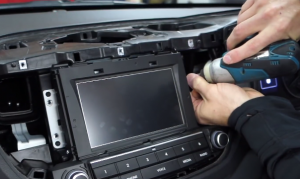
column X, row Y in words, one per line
column 102, row 94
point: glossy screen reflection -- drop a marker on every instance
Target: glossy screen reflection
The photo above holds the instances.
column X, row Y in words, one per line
column 121, row 107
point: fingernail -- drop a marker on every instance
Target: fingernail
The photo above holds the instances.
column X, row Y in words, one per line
column 190, row 78
column 227, row 59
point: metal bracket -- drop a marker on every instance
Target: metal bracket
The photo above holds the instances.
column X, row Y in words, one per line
column 25, row 140
column 57, row 134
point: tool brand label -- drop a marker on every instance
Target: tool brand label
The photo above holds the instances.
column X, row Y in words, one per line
column 161, row 169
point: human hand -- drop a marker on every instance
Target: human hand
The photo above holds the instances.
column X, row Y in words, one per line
column 214, row 103
column 274, row 20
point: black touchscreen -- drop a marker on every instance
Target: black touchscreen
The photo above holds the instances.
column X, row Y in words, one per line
column 125, row 106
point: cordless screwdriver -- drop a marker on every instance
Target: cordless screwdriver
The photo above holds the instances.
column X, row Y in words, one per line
column 278, row 59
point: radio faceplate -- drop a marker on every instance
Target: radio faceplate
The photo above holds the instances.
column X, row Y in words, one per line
column 154, row 160
column 130, row 102
column 149, row 91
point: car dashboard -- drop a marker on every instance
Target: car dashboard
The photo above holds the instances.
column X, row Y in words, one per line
column 103, row 94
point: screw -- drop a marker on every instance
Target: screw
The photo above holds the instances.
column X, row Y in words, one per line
column 67, row 152
column 56, row 135
column 18, row 104
column 49, row 102
column 13, row 64
column 57, row 143
column 9, row 103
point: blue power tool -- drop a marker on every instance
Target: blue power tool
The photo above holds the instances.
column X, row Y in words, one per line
column 278, row 59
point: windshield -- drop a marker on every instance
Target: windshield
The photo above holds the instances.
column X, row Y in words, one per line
column 130, row 1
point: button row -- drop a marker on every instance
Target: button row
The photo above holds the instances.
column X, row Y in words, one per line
column 153, row 171
column 167, row 167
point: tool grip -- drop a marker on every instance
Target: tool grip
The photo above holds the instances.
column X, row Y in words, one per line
column 278, row 59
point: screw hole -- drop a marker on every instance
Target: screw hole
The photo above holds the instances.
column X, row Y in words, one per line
column 48, row 94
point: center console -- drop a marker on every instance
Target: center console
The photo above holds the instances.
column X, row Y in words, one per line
column 110, row 102
column 128, row 119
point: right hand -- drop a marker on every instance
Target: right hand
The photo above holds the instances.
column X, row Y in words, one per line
column 214, row 103
column 273, row 20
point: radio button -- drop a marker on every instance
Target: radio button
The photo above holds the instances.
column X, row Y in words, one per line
column 202, row 155
column 133, row 175
column 182, row 149
column 146, row 160
column 160, row 169
column 186, row 160
column 127, row 165
column 165, row 154
column 105, row 171
column 199, row 144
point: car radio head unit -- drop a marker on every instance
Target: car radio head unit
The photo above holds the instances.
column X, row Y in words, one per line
column 113, row 104
column 126, row 106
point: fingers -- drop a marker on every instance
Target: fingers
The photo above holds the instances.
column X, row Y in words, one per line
column 246, row 6
column 196, row 95
column 244, row 30
column 196, row 100
column 251, row 47
column 247, row 14
column 198, row 84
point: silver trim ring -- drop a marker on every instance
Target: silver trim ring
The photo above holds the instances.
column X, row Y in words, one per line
column 218, row 139
column 80, row 174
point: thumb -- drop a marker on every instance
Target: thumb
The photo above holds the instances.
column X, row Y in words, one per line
column 198, row 83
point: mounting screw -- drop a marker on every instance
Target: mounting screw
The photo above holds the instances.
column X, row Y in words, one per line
column 57, row 143
column 9, row 103
column 67, row 152
column 55, row 135
column 18, row 104
column 13, row 64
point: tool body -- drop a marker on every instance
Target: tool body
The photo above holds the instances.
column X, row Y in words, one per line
column 278, row 59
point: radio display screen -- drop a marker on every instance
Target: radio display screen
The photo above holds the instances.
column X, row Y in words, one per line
column 121, row 107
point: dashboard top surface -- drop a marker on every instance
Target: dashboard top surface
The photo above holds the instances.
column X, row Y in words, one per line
column 19, row 23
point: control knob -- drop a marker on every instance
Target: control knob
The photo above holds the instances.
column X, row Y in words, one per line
column 77, row 174
column 219, row 139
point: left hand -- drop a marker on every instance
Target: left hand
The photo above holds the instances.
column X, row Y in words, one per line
column 273, row 20
column 214, row 103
